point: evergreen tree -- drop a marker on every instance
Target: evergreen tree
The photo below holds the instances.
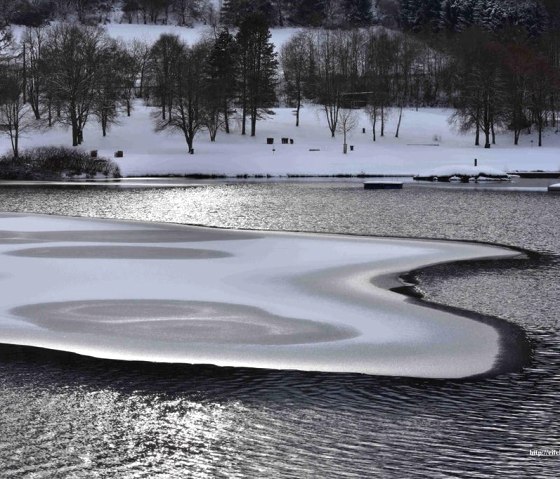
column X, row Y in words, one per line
column 257, row 69
column 221, row 79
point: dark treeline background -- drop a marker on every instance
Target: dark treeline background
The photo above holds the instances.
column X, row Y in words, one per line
column 408, row 15
column 496, row 63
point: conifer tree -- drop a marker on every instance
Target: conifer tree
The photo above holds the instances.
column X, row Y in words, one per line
column 221, row 82
column 257, row 69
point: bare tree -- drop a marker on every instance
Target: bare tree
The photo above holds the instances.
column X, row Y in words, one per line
column 164, row 57
column 347, row 121
column 294, row 60
column 15, row 114
column 72, row 59
column 140, row 52
column 186, row 113
column 33, row 42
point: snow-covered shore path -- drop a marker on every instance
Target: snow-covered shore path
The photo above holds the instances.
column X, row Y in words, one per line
column 171, row 293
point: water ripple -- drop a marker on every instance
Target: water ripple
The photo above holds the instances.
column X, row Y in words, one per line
column 70, row 416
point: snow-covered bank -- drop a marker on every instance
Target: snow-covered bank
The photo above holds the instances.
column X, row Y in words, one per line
column 165, row 293
column 150, row 153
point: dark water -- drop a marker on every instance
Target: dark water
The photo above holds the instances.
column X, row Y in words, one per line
column 66, row 416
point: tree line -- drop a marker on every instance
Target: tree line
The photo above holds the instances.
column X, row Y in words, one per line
column 69, row 74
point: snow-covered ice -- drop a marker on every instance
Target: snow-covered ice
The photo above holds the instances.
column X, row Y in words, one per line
column 169, row 293
column 464, row 170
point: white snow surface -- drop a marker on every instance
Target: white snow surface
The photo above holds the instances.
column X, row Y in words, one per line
column 150, row 33
column 298, row 283
column 149, row 153
column 464, row 170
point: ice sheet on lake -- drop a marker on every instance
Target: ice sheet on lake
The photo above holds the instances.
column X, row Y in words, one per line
column 268, row 300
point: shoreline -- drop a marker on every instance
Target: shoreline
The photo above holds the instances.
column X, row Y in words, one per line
column 504, row 364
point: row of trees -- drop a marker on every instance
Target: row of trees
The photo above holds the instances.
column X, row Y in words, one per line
column 493, row 82
column 343, row 70
column 64, row 74
column 198, row 87
column 313, row 13
column 39, row 12
column 180, row 12
column 453, row 16
column 69, row 73
column 329, row 13
column 499, row 84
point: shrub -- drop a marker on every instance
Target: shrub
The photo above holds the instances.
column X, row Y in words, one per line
column 55, row 162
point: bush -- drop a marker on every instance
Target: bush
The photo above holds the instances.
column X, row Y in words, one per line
column 55, row 162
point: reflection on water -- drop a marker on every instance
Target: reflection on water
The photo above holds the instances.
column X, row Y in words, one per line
column 80, row 417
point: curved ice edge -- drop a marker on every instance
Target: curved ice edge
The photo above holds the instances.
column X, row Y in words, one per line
column 514, row 345
column 516, row 349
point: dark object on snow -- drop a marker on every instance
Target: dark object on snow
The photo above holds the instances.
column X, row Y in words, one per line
column 291, row 141
column 351, row 147
column 93, row 153
column 270, row 141
column 314, row 149
column 536, row 174
column 119, row 154
column 475, row 162
column 285, row 141
column 383, row 185
column 363, row 130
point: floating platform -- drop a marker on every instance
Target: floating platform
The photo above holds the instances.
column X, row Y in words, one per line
column 537, row 174
column 383, row 185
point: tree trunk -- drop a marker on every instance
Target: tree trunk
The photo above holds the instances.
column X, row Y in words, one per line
column 487, row 136
column 399, row 123
column 382, row 121
column 15, row 145
column 74, row 123
column 226, row 116
column 298, row 108
column 253, row 122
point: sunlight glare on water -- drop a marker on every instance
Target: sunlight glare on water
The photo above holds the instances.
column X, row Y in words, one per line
column 80, row 417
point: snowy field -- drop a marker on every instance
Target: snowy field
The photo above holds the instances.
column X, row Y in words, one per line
column 168, row 293
column 150, row 153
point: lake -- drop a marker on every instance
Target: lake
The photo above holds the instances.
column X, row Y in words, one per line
column 73, row 416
